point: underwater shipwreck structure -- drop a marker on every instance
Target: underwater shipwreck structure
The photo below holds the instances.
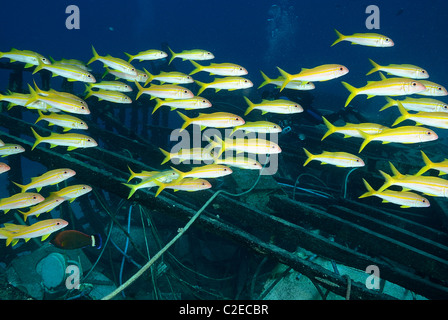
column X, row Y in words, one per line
column 293, row 225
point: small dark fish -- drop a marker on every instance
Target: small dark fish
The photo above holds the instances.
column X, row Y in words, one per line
column 73, row 239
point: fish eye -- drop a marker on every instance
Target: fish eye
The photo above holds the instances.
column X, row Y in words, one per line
column 209, row 53
column 57, row 223
column 203, row 101
column 203, row 183
column 428, row 133
column 65, row 172
column 387, row 39
column 188, row 78
column 423, row 71
column 439, row 88
column 16, row 147
column 88, row 140
column 357, row 160
column 132, row 69
column 185, row 91
column 81, row 123
column 275, row 127
column 341, row 68
column 245, row 81
column 82, row 107
column 414, row 84
column 89, row 76
column 83, row 187
column 445, row 107
column 423, row 201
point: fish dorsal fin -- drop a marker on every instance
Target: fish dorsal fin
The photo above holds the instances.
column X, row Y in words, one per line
column 304, row 69
column 383, row 77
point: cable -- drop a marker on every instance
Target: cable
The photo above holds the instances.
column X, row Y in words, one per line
column 346, row 179
column 125, row 249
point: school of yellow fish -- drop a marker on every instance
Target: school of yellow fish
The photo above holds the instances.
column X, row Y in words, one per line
column 57, row 109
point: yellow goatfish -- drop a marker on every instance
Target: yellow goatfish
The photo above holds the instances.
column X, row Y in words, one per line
column 320, row 73
column 71, row 140
column 73, row 62
column 9, row 149
column 418, row 104
column 167, row 91
column 20, row 200
column 187, row 184
column 400, row 70
column 49, row 178
column 432, row 89
column 294, row 85
column 251, row 145
column 112, row 86
column 365, row 39
column 68, row 71
column 114, row 63
column 220, row 69
column 108, row 95
column 4, row 167
column 187, row 104
column 39, row 229
column 162, row 176
column 226, row 83
column 151, row 54
column 215, row 120
column 339, row 159
column 406, row 134
column 173, row 77
column 432, row 119
column 442, row 166
column 258, row 126
column 9, row 229
column 30, row 58
column 404, row 199
column 20, row 99
column 194, row 54
column 352, row 129
column 140, row 75
column 45, row 206
column 63, row 120
column 432, row 186
column 240, row 162
column 207, row 171
column 385, row 87
column 281, row 106
column 142, row 175
column 72, row 192
column 199, row 154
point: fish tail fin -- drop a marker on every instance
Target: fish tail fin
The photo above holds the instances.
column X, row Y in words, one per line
column 340, row 38
column 133, row 174
column 140, row 89
column 217, row 142
column 202, row 86
column 25, row 215
column 389, row 180
column 353, row 92
column 287, row 77
column 22, row 187
column 88, row 92
column 266, row 81
column 197, row 66
column 376, row 67
column 166, row 154
column 150, row 77
column 133, row 188
column 390, row 103
column 370, row 191
column 131, row 57
column 309, row 155
column 186, row 119
column 95, row 56
column 173, row 55
column 41, row 115
column 428, row 164
column 161, row 186
column 38, row 139
column 39, row 66
column 159, row 103
column 367, row 138
column 180, row 173
column 32, row 97
column 97, row 241
column 251, row 106
column 330, row 126
column 404, row 114
column 395, row 172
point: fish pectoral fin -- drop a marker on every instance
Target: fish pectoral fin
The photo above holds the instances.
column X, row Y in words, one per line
column 71, row 148
column 45, row 236
column 175, row 190
column 53, row 145
column 404, row 206
column 38, row 189
column 384, row 201
column 369, row 96
column 27, row 239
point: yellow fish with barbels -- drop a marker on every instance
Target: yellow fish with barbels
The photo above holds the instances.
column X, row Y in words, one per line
column 418, row 104
column 20, row 99
column 432, row 89
column 405, row 134
column 111, row 86
column 72, row 192
column 8, row 229
column 173, row 77
column 188, row 104
column 68, row 71
column 65, row 121
column 240, row 162
column 70, row 140
column 442, row 166
column 385, row 87
column 30, row 58
column 187, row 184
column 45, row 206
column 365, row 39
column 141, row 76
column 320, row 73
column 10, row 148
column 73, row 62
column 114, row 63
column 207, row 171
column 193, row 154
column 220, row 69
column 250, row 145
column 339, row 159
column 400, row 70
column 39, row 229
column 432, row 119
column 4, row 167
column 281, row 106
column 215, row 120
column 151, row 54
column 165, row 176
column 294, row 85
column 108, row 95
column 194, row 54
column 259, row 127
column 225, row 83
column 49, row 178
column 141, row 175
column 164, row 91
column 20, row 200
column 404, row 199
column 352, row 129
column 58, row 93
column 432, row 186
